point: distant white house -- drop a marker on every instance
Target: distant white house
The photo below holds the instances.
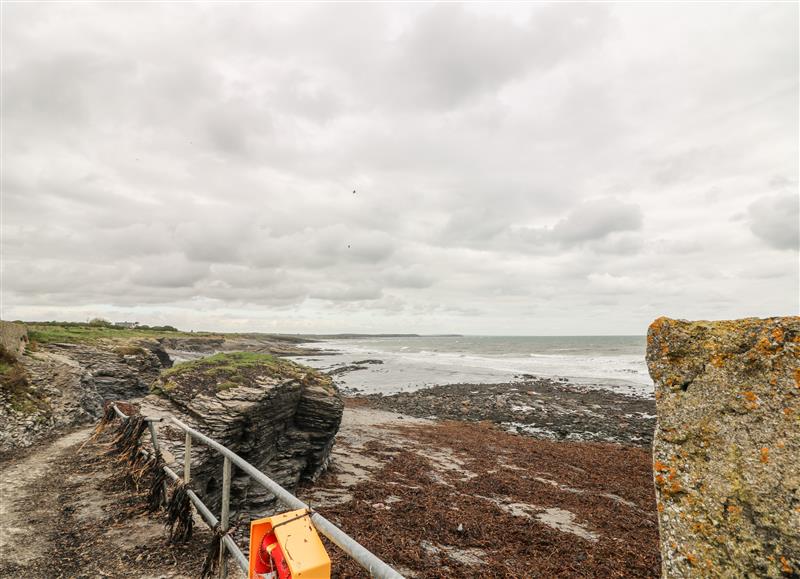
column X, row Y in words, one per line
column 126, row 324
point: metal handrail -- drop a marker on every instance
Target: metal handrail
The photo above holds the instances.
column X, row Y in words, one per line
column 345, row 542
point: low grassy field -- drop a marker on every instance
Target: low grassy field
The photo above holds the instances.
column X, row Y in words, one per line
column 44, row 333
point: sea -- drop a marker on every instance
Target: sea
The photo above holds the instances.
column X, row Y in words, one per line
column 409, row 363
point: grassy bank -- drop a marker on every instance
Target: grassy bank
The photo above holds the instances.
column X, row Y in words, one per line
column 228, row 370
column 49, row 332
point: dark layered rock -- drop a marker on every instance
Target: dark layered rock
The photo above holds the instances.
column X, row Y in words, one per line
column 194, row 347
column 726, row 447
column 157, row 348
column 200, row 344
column 67, row 383
column 113, row 371
column 279, row 416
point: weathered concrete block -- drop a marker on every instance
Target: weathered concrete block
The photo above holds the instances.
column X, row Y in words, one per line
column 727, row 446
column 13, row 337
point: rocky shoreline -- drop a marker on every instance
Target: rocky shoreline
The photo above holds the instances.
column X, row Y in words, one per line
column 493, row 500
column 542, row 408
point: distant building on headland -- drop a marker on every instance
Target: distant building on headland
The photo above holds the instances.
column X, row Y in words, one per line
column 126, row 324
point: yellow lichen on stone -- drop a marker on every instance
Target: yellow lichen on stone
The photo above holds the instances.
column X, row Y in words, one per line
column 726, row 445
column 785, row 566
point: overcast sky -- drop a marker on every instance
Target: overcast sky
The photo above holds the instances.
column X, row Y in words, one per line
column 518, row 169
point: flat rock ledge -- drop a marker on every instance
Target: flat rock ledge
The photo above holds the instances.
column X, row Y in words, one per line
column 727, row 446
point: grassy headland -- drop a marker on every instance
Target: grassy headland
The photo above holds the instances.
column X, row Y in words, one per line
column 228, row 370
column 78, row 332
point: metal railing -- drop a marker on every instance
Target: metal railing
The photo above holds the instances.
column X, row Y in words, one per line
column 345, row 542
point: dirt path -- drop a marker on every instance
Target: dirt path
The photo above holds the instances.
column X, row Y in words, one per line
column 21, row 508
column 66, row 511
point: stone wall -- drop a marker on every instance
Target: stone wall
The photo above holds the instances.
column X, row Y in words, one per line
column 13, row 337
column 727, row 446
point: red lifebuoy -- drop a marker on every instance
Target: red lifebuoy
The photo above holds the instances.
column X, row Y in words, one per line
column 271, row 563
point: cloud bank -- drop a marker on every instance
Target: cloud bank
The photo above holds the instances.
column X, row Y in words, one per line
column 503, row 169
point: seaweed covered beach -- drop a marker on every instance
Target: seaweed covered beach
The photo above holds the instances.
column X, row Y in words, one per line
column 458, row 499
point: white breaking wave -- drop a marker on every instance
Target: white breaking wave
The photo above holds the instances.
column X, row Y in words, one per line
column 410, row 366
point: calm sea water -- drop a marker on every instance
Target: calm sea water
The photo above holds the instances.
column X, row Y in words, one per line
column 612, row 362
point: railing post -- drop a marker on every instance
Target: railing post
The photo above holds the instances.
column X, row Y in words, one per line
column 151, row 426
column 223, row 520
column 350, row 546
column 187, row 459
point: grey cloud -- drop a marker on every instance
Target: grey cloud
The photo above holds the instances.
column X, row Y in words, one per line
column 210, row 239
column 597, row 219
column 619, row 243
column 354, row 291
column 451, row 55
column 512, row 164
column 776, row 220
column 169, row 271
column 414, row 277
column 601, row 224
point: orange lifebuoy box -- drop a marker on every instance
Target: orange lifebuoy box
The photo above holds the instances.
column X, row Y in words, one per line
column 287, row 546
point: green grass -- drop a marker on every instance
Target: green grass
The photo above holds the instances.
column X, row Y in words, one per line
column 83, row 332
column 45, row 333
column 231, row 362
column 230, row 370
column 227, row 385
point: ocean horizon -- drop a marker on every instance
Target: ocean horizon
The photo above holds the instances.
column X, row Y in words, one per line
column 411, row 362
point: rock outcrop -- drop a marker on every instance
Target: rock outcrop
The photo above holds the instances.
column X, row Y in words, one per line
column 65, row 385
column 279, row 416
column 727, row 446
column 13, row 338
column 113, row 372
column 184, row 348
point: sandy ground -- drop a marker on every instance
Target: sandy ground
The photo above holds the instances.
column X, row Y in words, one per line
column 21, row 541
